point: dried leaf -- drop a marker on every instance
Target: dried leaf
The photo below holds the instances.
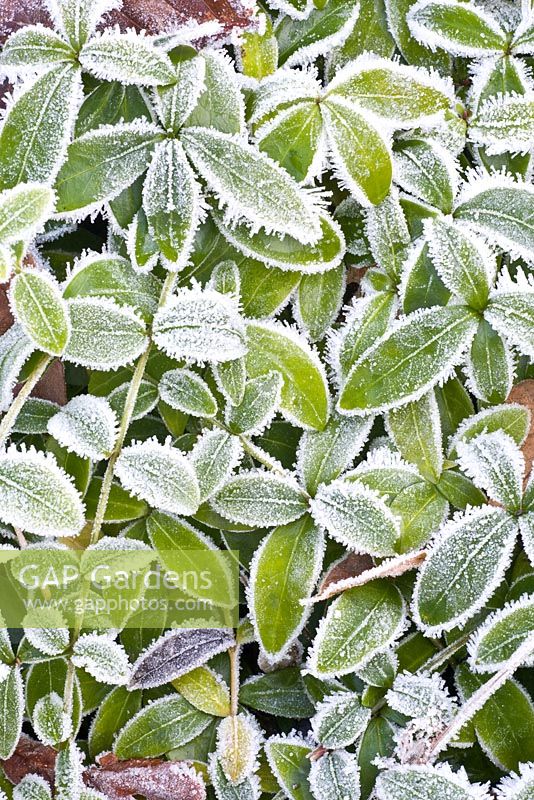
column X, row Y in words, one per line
column 523, row 393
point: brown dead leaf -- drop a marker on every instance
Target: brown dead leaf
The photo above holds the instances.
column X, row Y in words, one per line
column 523, row 393
column 6, row 317
column 16, row 13
column 349, row 566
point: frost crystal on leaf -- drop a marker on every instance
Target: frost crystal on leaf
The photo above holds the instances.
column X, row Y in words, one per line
column 103, row 658
column 496, row 464
column 86, row 425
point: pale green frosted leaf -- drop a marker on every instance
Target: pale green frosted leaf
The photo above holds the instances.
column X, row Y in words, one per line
column 463, row 568
column 231, row 379
column 238, row 743
column 512, row 315
column 50, row 722
column 33, row 46
column 504, row 124
column 294, row 138
column 258, row 407
column 360, row 156
column 262, row 499
column 24, row 211
column 387, row 232
column 490, row 365
column 380, row 670
column 142, row 249
column 523, row 40
column 161, row 475
column 463, row 30
column 340, row 720
column 357, row 517
column 251, row 185
column 415, row 354
column 421, row 508
column 495, row 464
column 201, row 326
column 34, row 416
column 259, row 50
column 301, row 41
column 511, row 418
column 38, row 126
column 32, row 787
column 104, row 335
column 319, row 300
column 186, row 391
column 176, row 101
column 412, row 51
column 76, row 20
column 248, row 789
column 206, row 690
column 359, row 623
column 421, row 696
column 146, row 400
column 171, row 201
column 221, row 104
column 102, row 658
column 37, row 305
column 37, row 496
column 284, row 571
column 501, row 634
column 435, row 783
column 370, row 33
column 416, row 430
column 288, row 759
column 526, row 526
column 15, row 349
column 214, row 457
column 426, row 170
column 225, row 278
column 335, row 776
column 68, row 783
column 127, row 57
column 86, row 426
column 421, row 286
column 12, row 704
column 274, row 347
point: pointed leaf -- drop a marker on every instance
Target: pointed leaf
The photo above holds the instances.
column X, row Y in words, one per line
column 258, row 407
column 38, row 306
column 77, row 19
column 12, row 704
column 214, row 457
column 238, row 744
column 221, row 105
column 427, row 170
column 103, row 658
column 176, row 101
column 504, row 124
column 127, row 57
column 15, row 349
column 294, row 138
column 512, row 315
column 206, row 690
column 496, row 465
column 403, row 782
column 301, row 41
column 33, row 46
column 24, row 211
column 501, row 634
column 461, row 30
column 511, row 418
column 188, row 392
column 335, row 776
column 113, row 713
column 416, row 431
column 288, row 759
column 340, row 720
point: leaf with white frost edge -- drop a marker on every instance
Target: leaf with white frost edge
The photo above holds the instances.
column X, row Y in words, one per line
column 387, row 232
column 381, row 670
column 159, row 474
column 50, row 722
column 200, row 325
column 31, row 787
column 68, row 783
column 511, row 418
column 37, row 305
column 335, row 776
column 214, row 457
column 463, row 30
column 186, row 391
column 501, row 634
column 323, row 30
column 127, row 57
column 357, row 517
column 518, row 785
column 260, row 498
column 86, row 426
column 435, row 782
column 288, row 759
column 248, row 789
column 426, row 169
column 12, row 703
column 339, row 720
column 495, row 464
column 104, row 335
column 33, row 48
column 102, row 658
column 175, row 102
column 37, row 495
column 421, row 696
column 258, row 407
column 238, row 744
column 360, row 623
column 49, row 640
column 416, row 431
column 77, row 20
column 15, row 349
column 504, row 124
column 24, row 211
column 464, row 566
column 512, row 315
column 526, row 526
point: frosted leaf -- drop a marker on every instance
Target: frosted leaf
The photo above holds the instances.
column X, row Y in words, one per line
column 171, row 201
column 31, row 48
column 12, row 703
column 102, row 658
column 523, row 39
column 517, row 786
column 323, row 455
column 512, row 418
column 380, row 671
column 501, row 635
column 433, row 783
column 15, row 349
column 225, row 278
column 7, row 262
column 238, row 744
column 23, row 211
column 504, row 124
column 421, row 696
column 76, row 20
column 416, row 431
column 293, row 8
column 387, row 233
column 230, row 378
column 32, row 787
column 463, row 30
column 49, row 640
column 68, row 773
column 323, row 30
column 159, row 474
column 248, row 789
column 261, row 499
column 288, row 757
column 335, row 776
column 495, row 464
column 127, row 57
column 159, row 780
column 360, row 623
column 285, row 86
column 512, row 315
column 145, row 402
column 340, row 719
column 87, row 426
column 174, row 103
column 214, row 457
column 186, row 391
column 142, row 249
column 526, row 526
column 357, row 517
column 251, row 186
column 177, row 653
column 37, row 495
column 221, row 105
column 427, row 170
column 463, row 568
column 104, row 335
column 37, row 304
column 258, row 407
column 201, row 326
column 50, row 722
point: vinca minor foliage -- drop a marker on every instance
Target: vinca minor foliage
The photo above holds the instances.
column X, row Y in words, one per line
column 289, row 284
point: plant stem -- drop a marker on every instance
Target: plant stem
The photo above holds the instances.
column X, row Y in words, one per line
column 233, row 654
column 14, row 409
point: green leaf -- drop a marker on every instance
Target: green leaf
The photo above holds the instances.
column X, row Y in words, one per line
column 121, row 506
column 38, row 126
column 461, row 30
column 188, row 392
column 104, row 335
column 177, row 100
column 146, row 400
column 24, row 211
column 319, row 300
column 504, row 124
column 359, row 623
column 214, row 458
column 259, row 51
column 459, row 490
column 421, row 285
column 284, row 571
column 388, row 235
column 490, row 365
column 49, row 676
column 302, row 40
column 377, row 740
column 384, row 378
column 511, row 418
column 406, row 781
column 117, row 708
column 403, row 95
column 101, row 163
column 273, row 347
column 221, row 104
column 259, row 405
column 340, row 720
column 108, row 104
column 357, row 517
column 497, row 465
column 264, row 289
column 380, row 671
column 463, row 568
column 361, row 157
column 294, row 139
column 501, row 634
column 37, row 496
column 412, row 51
column 369, row 34
column 205, row 690
column 126, row 57
column 266, row 198
column 287, row 253
column 281, row 693
column 454, row 404
column 416, row 430
column 12, row 705
column 37, row 305
column 421, row 509
column 512, row 315
column 166, row 723
column 224, row 789
column 34, row 416
column 261, row 499
column 287, row 756
column 76, row 20
column 87, row 426
column 171, row 201
column 427, row 170
column 34, row 46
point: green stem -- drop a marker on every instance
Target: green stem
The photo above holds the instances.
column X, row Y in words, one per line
column 234, row 679
column 16, row 406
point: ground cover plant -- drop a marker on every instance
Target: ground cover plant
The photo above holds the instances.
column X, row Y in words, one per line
column 268, row 285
